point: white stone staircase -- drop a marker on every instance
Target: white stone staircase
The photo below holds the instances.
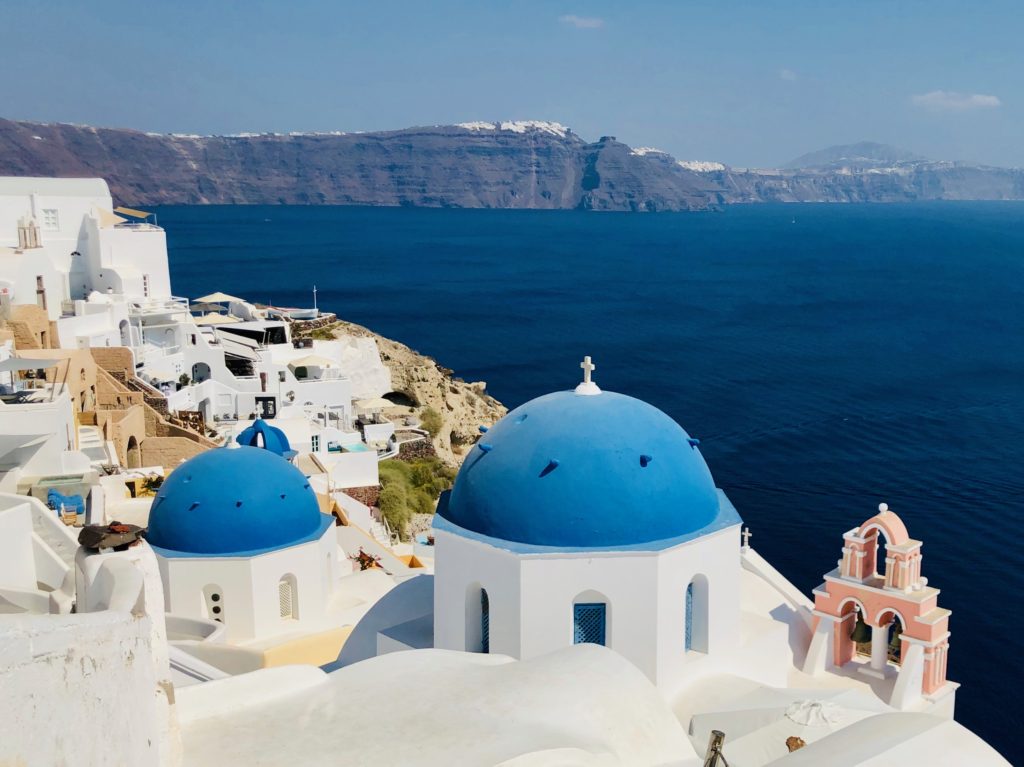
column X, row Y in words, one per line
column 90, row 442
column 380, row 533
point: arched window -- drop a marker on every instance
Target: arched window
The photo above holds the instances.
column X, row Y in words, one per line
column 286, row 597
column 200, row 372
column 689, row 617
column 478, row 619
column 695, row 628
column 485, row 622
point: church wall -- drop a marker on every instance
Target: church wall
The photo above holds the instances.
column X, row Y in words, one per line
column 249, row 587
column 310, row 566
column 185, row 578
column 628, row 583
column 717, row 558
column 461, row 568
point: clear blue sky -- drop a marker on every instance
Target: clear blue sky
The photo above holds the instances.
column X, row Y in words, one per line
column 748, row 83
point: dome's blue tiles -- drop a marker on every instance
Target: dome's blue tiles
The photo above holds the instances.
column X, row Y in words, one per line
column 262, row 434
column 573, row 471
column 234, row 502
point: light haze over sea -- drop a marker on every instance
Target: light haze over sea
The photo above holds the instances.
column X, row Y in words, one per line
column 828, row 357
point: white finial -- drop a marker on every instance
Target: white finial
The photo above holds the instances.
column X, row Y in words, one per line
column 883, row 507
column 588, row 387
column 747, row 535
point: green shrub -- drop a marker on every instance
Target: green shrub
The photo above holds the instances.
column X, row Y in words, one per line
column 430, row 420
column 394, row 505
column 411, row 488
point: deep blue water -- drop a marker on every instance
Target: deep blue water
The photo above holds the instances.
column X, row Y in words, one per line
column 855, row 355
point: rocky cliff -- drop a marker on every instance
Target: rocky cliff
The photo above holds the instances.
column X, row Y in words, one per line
column 526, row 164
column 520, row 165
column 420, row 382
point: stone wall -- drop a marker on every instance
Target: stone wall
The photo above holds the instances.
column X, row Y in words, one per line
column 368, row 496
column 114, row 359
column 32, row 328
column 169, row 452
column 415, row 451
column 78, row 373
column 120, row 426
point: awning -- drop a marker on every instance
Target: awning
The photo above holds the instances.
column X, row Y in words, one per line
column 238, row 338
column 236, row 349
column 24, row 363
column 132, row 212
column 108, row 219
column 218, row 298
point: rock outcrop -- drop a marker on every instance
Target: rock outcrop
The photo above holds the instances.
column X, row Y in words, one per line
column 419, row 382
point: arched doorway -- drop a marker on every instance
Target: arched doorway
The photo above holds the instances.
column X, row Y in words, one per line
column 126, row 337
column 892, row 628
column 200, row 372
column 134, row 453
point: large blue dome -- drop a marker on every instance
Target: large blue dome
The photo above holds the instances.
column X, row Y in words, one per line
column 584, row 471
column 234, row 501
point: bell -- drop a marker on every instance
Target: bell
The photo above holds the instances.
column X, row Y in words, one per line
column 895, row 644
column 861, row 632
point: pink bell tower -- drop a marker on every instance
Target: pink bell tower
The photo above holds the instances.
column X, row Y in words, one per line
column 909, row 632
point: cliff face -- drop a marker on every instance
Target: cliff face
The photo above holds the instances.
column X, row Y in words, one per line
column 526, row 165
column 474, row 165
column 463, row 407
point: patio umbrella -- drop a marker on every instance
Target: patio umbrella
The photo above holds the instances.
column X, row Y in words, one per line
column 205, row 306
column 219, row 298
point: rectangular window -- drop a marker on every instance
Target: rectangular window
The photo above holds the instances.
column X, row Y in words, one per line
column 145, row 285
column 589, row 623
column 315, row 443
column 51, row 221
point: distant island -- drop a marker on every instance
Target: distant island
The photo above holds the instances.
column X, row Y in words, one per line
column 525, row 164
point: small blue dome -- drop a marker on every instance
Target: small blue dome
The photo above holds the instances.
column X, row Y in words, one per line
column 232, row 502
column 577, row 471
column 262, row 434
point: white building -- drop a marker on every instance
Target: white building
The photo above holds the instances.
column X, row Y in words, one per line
column 64, row 249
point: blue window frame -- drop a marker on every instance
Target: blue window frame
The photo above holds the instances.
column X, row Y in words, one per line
column 485, row 622
column 689, row 618
column 589, row 623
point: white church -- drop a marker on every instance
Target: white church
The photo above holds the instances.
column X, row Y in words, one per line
column 589, row 516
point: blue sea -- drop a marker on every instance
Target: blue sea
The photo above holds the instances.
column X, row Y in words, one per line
column 828, row 357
